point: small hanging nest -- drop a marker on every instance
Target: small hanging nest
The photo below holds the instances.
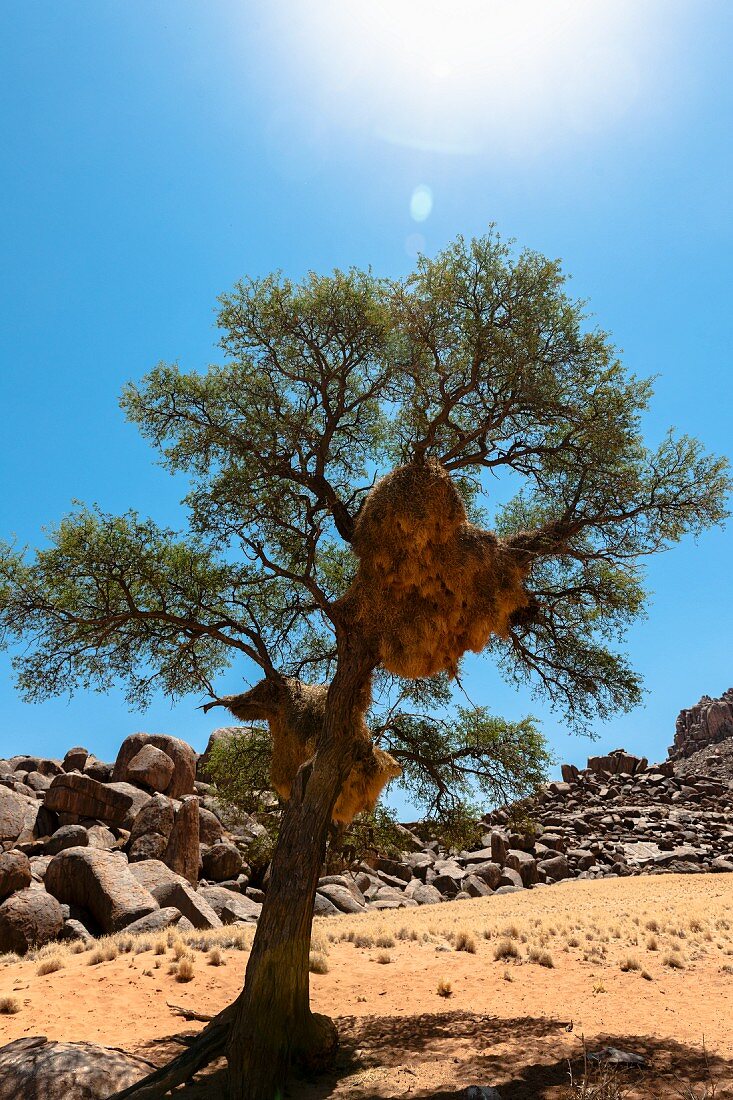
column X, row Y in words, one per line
column 430, row 585
column 294, row 712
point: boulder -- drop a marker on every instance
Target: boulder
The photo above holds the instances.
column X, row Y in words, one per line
column 13, row 810
column 183, row 757
column 322, row 907
column 75, row 759
column 73, row 793
column 68, row 836
column 15, row 872
column 230, row 907
column 37, row 1069
column 76, row 930
column 490, row 873
column 151, row 767
column 555, row 868
column 342, row 898
column 191, row 904
column 98, row 769
column 100, row 882
column 182, row 851
column 510, row 877
column 153, row 872
column 476, row 887
column 210, row 828
column 37, row 781
column 155, row 921
column 29, row 918
column 222, row 861
column 99, row 836
column 424, row 894
column 151, row 829
column 524, row 863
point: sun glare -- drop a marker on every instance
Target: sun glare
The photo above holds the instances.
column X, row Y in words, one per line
column 451, row 75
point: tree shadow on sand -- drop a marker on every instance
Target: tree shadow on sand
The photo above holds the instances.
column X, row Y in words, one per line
column 525, row 1058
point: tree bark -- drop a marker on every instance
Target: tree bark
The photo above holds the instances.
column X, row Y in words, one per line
column 273, row 1024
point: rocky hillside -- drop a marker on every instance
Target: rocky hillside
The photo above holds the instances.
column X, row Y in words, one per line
column 91, row 848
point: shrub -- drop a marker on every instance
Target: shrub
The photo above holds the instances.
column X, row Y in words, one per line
column 215, row 957
column 385, row 941
column 384, row 957
column 673, row 961
column 9, row 1006
column 445, row 989
column 630, row 963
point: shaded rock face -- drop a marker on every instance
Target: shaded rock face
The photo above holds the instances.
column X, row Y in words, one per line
column 182, row 755
column 101, row 883
column 29, row 918
column 707, row 723
column 36, row 1069
column 151, row 829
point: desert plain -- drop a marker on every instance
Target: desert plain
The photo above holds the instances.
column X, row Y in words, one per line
column 513, row 992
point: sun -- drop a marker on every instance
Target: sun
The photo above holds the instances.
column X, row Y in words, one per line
column 450, row 75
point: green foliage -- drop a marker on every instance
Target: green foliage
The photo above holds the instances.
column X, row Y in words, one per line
column 466, row 755
column 238, row 767
column 372, row 833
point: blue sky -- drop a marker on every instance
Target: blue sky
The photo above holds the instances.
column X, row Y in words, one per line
column 154, row 151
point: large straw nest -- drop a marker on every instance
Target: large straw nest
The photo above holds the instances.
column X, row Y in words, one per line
column 430, row 585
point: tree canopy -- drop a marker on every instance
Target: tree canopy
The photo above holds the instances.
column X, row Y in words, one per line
column 480, row 360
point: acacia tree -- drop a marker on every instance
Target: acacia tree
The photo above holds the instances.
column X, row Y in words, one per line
column 477, row 367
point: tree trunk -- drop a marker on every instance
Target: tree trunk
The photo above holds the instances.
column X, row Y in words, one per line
column 273, row 1025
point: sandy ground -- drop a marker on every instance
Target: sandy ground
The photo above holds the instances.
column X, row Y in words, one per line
column 510, row 1022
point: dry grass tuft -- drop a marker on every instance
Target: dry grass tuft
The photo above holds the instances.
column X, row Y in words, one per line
column 185, row 969
column 673, row 960
column 630, row 963
column 505, row 949
column 465, row 941
column 9, row 1006
column 50, row 964
column 542, row 958
column 215, row 957
column 445, row 989
column 317, row 963
column 384, row 957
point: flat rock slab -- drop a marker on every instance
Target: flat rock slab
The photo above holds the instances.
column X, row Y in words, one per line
column 100, row 882
column 74, row 793
column 36, row 1069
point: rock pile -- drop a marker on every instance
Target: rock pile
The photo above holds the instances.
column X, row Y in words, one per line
column 88, row 848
